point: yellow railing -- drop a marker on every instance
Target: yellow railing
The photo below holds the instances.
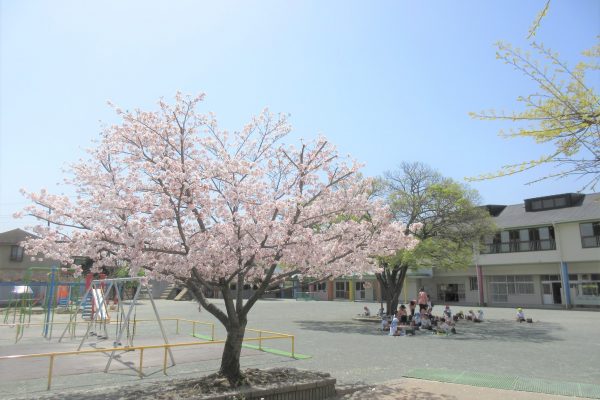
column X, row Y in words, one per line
column 194, row 324
column 52, row 356
column 260, row 337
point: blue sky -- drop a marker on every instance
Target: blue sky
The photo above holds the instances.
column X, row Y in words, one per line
column 386, row 81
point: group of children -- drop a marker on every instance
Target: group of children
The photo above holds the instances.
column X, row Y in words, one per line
column 403, row 323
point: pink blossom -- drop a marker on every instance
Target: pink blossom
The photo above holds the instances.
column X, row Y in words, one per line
column 172, row 193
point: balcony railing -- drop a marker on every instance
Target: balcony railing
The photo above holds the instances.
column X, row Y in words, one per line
column 516, row 246
column 590, row 241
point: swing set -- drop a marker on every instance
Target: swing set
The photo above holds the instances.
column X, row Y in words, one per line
column 95, row 301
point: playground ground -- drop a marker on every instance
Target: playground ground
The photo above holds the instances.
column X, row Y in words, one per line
column 560, row 346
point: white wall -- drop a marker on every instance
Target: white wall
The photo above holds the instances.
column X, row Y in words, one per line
column 569, row 240
column 525, row 257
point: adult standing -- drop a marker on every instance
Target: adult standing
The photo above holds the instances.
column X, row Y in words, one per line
column 422, row 298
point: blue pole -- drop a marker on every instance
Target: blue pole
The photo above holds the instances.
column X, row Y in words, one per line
column 564, row 271
column 50, row 295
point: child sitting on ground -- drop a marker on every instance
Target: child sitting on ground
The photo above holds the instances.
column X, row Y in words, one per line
column 367, row 312
column 475, row 317
column 402, row 315
column 442, row 328
column 412, row 305
column 447, row 312
column 426, row 322
column 385, row 324
column 446, row 326
column 417, row 319
column 520, row 315
column 479, row 316
column 394, row 327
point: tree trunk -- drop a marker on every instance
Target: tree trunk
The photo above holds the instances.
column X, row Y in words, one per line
column 234, row 319
column 392, row 300
column 392, row 282
column 230, row 361
column 394, row 303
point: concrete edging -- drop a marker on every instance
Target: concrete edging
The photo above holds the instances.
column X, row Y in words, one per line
column 313, row 390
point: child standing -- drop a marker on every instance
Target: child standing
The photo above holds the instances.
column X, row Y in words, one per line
column 423, row 299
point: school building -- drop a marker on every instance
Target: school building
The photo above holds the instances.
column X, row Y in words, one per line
column 546, row 253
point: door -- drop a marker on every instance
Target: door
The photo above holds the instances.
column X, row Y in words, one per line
column 556, row 296
column 451, row 293
column 359, row 291
column 547, row 293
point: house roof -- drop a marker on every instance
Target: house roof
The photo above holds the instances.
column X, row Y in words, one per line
column 514, row 216
column 14, row 237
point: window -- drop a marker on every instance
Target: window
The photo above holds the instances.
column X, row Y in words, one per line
column 502, row 286
column 591, row 289
column 546, row 241
column 548, row 203
column 552, row 202
column 499, row 292
column 342, row 290
column 590, row 234
column 588, row 285
column 531, row 239
column 555, row 278
column 16, row 253
column 524, row 284
column 560, row 202
column 524, row 241
column 473, row 283
column 321, row 287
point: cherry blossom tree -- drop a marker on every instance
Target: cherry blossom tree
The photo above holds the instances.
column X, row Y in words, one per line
column 173, row 194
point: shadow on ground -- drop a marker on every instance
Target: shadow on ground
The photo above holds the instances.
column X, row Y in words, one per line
column 499, row 330
column 341, row 327
column 395, row 393
column 509, row 331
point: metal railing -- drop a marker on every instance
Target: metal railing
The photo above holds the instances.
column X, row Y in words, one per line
column 305, row 295
column 166, row 346
column 72, row 325
column 260, row 338
column 516, row 246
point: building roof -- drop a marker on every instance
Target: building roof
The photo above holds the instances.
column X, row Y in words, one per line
column 514, row 216
column 14, row 237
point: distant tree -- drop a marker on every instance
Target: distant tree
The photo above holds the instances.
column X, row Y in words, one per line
column 565, row 112
column 442, row 214
column 170, row 193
